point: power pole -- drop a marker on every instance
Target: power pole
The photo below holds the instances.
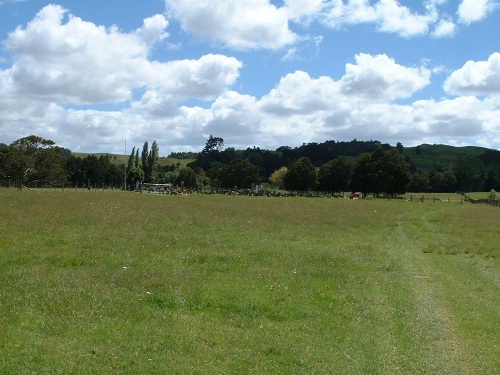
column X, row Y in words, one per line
column 125, row 169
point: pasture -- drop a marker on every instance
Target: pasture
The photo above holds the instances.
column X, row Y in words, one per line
column 109, row 282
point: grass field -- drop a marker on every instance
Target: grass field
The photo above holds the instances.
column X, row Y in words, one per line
column 107, row 282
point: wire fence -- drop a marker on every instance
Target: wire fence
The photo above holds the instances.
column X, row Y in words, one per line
column 491, row 202
column 46, row 185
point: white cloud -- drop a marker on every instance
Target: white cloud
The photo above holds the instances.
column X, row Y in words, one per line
column 476, row 78
column 475, row 10
column 388, row 15
column 78, row 62
column 243, row 24
column 153, row 29
column 395, row 18
column 203, row 78
column 380, row 78
column 444, row 28
column 59, row 59
column 304, row 11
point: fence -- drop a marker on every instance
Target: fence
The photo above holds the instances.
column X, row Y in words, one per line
column 491, row 202
column 433, row 199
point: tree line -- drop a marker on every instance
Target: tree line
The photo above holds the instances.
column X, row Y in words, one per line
column 364, row 166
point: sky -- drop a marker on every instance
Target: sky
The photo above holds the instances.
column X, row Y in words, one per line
column 105, row 76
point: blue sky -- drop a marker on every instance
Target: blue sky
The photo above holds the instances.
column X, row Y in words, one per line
column 91, row 74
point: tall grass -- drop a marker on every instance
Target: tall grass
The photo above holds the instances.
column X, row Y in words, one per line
column 111, row 282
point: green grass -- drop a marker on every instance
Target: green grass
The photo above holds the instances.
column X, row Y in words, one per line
column 106, row 282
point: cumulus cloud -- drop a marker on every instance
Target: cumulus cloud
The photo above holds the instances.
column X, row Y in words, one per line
column 243, row 24
column 153, row 29
column 475, row 10
column 381, row 78
column 444, row 28
column 74, row 61
column 60, row 60
column 388, row 16
column 476, row 78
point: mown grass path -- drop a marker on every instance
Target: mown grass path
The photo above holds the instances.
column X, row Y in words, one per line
column 109, row 282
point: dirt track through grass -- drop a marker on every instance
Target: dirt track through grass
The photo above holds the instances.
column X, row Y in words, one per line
column 112, row 282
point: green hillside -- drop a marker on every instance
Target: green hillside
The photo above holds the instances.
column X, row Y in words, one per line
column 440, row 156
column 123, row 159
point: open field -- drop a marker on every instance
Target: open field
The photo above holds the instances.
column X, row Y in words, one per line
column 109, row 282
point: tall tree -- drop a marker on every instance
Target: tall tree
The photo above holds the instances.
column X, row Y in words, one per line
column 145, row 160
column 136, row 159
column 381, row 171
column 334, row 175
column 153, row 156
column 301, row 175
column 240, row 173
column 213, row 144
column 131, row 159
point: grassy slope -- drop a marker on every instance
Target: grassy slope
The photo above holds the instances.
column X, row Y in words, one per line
column 123, row 159
column 113, row 282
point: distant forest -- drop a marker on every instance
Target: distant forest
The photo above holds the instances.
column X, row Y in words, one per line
column 331, row 166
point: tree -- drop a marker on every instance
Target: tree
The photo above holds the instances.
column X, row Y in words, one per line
column 362, row 177
column 469, row 174
column 214, row 144
column 50, row 166
column 394, row 174
column 136, row 159
column 145, row 159
column 301, row 175
column 419, row 183
column 135, row 175
column 240, row 173
column 334, row 175
column 131, row 160
column 186, row 177
column 212, row 154
column 152, row 161
column 31, row 158
column 381, row 171
column 400, row 147
column 278, row 177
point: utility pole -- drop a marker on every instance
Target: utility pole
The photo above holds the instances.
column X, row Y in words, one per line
column 125, row 169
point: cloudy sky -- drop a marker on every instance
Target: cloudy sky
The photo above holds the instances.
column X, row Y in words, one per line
column 92, row 75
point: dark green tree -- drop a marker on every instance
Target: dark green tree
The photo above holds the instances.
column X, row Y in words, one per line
column 238, row 173
column 363, row 178
column 382, row 171
column 136, row 159
column 186, row 177
column 33, row 158
column 145, row 160
column 214, row 144
column 131, row 160
column 334, row 175
column 135, row 175
column 400, row 147
column 470, row 174
column 301, row 176
column 419, row 183
column 153, row 156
